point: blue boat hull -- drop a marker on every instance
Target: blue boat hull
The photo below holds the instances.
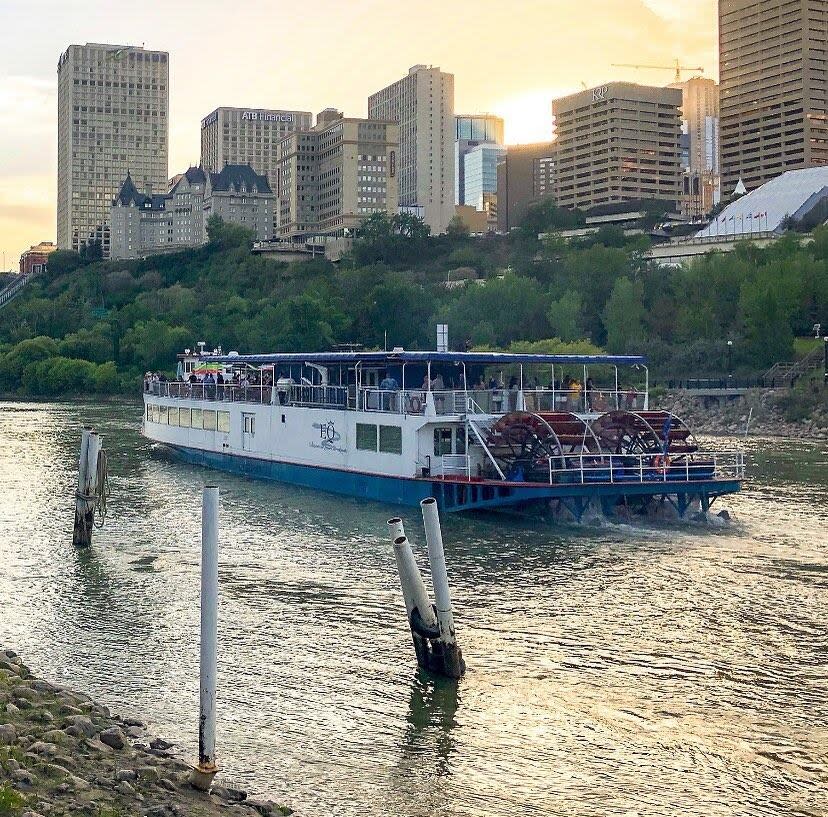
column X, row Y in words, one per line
column 458, row 495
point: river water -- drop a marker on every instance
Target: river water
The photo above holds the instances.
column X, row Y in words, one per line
column 612, row 670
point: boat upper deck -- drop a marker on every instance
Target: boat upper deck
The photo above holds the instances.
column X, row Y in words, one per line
column 416, row 383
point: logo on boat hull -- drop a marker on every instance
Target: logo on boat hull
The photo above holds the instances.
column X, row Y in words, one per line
column 328, row 437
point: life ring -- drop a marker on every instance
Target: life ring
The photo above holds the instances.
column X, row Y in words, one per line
column 661, row 462
column 415, row 405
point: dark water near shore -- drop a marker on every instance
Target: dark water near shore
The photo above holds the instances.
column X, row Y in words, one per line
column 612, row 670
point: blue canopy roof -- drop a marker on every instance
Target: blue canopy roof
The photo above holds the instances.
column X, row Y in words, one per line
column 391, row 358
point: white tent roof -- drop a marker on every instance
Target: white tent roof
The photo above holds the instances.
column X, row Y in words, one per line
column 762, row 210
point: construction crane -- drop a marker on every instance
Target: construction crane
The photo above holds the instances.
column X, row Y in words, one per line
column 678, row 68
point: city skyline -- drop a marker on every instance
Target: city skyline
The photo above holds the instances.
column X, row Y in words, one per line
column 515, row 76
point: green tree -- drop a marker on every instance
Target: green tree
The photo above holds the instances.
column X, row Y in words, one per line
column 564, row 316
column 624, row 317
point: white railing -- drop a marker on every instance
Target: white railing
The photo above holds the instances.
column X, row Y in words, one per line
column 646, row 468
column 575, row 400
column 455, row 465
column 409, row 401
column 280, row 394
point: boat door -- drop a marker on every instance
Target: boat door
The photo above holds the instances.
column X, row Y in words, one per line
column 248, row 431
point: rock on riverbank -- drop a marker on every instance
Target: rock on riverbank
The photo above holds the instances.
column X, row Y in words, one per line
column 729, row 416
column 62, row 754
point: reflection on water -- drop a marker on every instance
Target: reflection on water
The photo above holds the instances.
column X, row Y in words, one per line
column 612, row 669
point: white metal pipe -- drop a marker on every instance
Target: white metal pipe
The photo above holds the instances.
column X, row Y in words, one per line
column 439, row 575
column 209, row 628
column 395, row 527
column 412, row 584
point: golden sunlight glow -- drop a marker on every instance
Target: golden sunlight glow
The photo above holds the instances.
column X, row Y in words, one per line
column 528, row 117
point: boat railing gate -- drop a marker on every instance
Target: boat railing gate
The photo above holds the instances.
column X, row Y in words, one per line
column 413, row 401
column 456, row 465
column 646, row 468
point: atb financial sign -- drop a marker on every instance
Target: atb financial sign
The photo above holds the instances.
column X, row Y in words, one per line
column 285, row 117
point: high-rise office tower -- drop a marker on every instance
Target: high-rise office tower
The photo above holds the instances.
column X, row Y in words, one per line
column 773, row 88
column 618, row 142
column 471, row 130
column 335, row 175
column 241, row 136
column 423, row 104
column 700, row 112
column 113, row 104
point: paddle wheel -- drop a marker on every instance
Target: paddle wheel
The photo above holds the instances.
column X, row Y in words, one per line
column 643, row 432
column 523, row 443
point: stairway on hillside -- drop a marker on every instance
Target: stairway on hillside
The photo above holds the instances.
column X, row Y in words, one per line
column 14, row 288
column 787, row 373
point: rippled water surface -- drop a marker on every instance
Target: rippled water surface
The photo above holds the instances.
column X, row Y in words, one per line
column 613, row 670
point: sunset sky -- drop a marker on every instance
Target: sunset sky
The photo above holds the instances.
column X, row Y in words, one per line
column 510, row 57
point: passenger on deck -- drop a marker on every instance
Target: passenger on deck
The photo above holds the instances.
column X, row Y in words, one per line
column 588, row 393
column 389, row 400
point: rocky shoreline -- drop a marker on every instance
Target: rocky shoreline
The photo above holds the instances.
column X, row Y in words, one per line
column 63, row 754
column 730, row 416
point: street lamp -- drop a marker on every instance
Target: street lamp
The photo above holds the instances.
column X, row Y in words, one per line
column 730, row 359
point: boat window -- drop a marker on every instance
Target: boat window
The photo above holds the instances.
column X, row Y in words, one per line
column 366, row 437
column 209, row 420
column 460, row 441
column 249, row 423
column 442, row 441
column 172, row 416
column 149, row 412
column 162, row 415
column 184, row 417
column 223, row 421
column 197, row 421
column 156, row 412
column 390, row 439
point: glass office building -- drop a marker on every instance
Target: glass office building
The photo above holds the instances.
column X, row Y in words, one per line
column 480, row 172
column 471, row 130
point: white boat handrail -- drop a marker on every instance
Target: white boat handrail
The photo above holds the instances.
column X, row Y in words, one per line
column 641, row 468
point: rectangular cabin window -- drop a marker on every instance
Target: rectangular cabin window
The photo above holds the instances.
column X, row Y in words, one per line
column 366, row 437
column 390, row 439
column 184, row 418
column 197, row 421
column 156, row 412
column 249, row 423
column 162, row 415
column 149, row 412
column 460, row 440
column 172, row 416
column 209, row 420
column 223, row 421
column 442, row 441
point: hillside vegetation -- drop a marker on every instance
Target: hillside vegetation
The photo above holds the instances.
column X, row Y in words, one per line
column 95, row 326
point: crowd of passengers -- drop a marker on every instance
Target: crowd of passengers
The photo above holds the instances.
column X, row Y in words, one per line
column 569, row 393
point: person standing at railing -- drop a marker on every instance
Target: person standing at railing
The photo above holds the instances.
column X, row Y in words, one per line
column 389, row 386
column 589, row 390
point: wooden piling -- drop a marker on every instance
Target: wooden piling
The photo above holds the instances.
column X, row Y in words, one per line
column 85, row 496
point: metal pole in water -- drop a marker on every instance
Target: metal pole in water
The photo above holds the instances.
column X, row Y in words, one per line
column 419, row 611
column 202, row 775
column 87, row 485
column 452, row 658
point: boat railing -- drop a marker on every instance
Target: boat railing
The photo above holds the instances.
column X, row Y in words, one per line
column 455, row 465
column 220, row 392
column 315, row 396
column 646, row 468
column 575, row 400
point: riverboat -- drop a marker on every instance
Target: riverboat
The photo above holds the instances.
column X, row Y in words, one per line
column 401, row 426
